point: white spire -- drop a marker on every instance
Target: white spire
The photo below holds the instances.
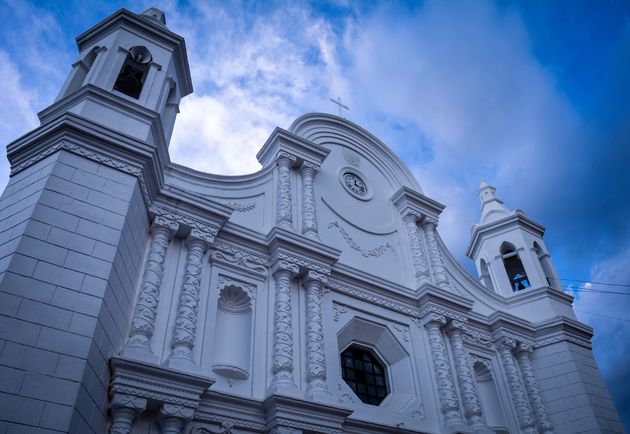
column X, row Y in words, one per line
column 492, row 207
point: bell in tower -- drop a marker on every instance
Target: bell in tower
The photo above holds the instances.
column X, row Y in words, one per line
column 508, row 248
column 131, row 74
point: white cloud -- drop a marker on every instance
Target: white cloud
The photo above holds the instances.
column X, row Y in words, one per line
column 251, row 74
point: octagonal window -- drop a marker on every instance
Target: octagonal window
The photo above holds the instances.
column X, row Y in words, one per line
column 365, row 374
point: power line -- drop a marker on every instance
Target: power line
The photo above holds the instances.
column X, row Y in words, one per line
column 605, row 316
column 595, row 283
column 599, row 291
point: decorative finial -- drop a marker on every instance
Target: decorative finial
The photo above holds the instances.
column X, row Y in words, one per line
column 155, row 14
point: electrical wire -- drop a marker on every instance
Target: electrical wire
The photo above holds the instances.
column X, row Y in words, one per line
column 595, row 283
column 602, row 315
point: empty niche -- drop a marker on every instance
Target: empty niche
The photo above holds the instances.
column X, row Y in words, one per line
column 490, row 402
column 233, row 331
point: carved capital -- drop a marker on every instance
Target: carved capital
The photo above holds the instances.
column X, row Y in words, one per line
column 524, row 347
column 285, row 267
column 128, row 401
column 505, row 343
column 316, row 276
column 284, row 158
column 457, row 326
column 433, row 320
column 309, row 168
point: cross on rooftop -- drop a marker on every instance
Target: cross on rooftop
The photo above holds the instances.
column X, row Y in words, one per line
column 341, row 106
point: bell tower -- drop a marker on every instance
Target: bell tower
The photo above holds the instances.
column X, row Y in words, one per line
column 508, row 249
column 131, row 74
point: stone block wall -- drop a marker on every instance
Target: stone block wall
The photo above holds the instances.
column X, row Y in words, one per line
column 72, row 239
column 573, row 390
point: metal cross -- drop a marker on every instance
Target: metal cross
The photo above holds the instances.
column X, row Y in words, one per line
column 341, row 106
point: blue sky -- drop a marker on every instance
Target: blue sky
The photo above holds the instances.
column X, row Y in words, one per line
column 532, row 96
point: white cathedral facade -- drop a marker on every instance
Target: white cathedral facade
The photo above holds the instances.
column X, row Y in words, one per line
column 313, row 296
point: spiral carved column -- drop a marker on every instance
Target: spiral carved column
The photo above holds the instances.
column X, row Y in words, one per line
column 467, row 385
column 309, row 212
column 417, row 250
column 143, row 320
column 437, row 263
column 315, row 351
column 284, row 215
column 449, row 404
column 519, row 397
column 183, row 339
column 531, row 385
column 283, row 380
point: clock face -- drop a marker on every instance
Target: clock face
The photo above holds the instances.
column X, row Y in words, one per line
column 354, row 184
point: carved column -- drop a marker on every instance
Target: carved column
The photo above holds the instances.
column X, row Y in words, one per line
column 174, row 417
column 437, row 264
column 531, row 385
column 449, row 404
column 284, row 216
column 519, row 398
column 315, row 351
column 417, row 251
column 283, row 381
column 183, row 339
column 143, row 321
column 124, row 409
column 465, row 377
column 309, row 213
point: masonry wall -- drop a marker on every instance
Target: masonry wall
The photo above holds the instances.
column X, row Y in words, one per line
column 72, row 237
column 573, row 390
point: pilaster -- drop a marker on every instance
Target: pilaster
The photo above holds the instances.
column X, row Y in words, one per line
column 309, row 212
column 145, row 313
column 284, row 206
column 315, row 351
column 449, row 404
column 505, row 346
column 283, row 381
column 465, row 377
column 184, row 335
column 531, row 386
column 440, row 276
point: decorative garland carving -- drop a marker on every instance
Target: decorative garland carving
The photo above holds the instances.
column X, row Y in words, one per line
column 284, row 215
column 235, row 256
column 376, row 252
column 402, row 330
column 475, row 337
column 309, row 212
column 339, row 310
column 417, row 412
column 178, row 411
column 344, row 397
column 241, row 207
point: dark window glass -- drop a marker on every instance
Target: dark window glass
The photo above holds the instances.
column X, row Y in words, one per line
column 364, row 374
